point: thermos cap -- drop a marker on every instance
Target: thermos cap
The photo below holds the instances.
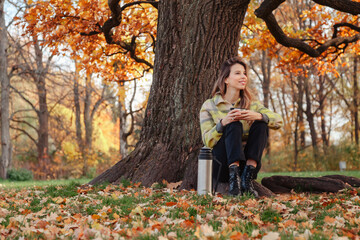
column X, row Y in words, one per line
column 205, row 153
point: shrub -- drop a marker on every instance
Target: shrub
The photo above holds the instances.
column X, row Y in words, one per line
column 20, row 174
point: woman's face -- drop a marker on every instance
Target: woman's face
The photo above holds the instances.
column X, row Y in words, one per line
column 237, row 78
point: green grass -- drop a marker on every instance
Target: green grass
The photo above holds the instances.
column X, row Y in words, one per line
column 261, row 175
column 138, row 217
column 67, row 190
column 270, row 215
column 24, row 184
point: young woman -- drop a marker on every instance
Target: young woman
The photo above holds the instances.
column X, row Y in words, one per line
column 231, row 117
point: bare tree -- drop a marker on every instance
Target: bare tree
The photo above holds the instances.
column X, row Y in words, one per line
column 86, row 93
column 32, row 64
column 5, row 92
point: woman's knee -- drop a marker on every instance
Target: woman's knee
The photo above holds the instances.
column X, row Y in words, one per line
column 236, row 124
column 260, row 126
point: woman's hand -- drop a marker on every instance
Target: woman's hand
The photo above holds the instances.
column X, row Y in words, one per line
column 247, row 115
column 240, row 114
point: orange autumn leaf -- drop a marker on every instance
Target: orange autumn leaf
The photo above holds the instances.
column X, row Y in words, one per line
column 169, row 204
column 238, row 236
column 156, row 226
column 290, row 223
column 95, row 216
column 187, row 223
column 329, row 220
column 67, row 26
column 42, row 224
column 77, row 215
column 184, row 205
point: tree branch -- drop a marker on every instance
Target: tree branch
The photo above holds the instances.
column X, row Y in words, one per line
column 256, row 72
column 115, row 21
column 265, row 12
column 26, row 123
column 97, row 104
column 337, row 91
column 131, row 113
column 346, row 6
column 21, row 110
column 135, row 111
column 25, row 99
column 58, row 101
column 349, row 25
column 26, row 133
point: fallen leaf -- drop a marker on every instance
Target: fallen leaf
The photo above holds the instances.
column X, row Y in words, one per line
column 41, row 224
column 271, row 236
column 169, row 204
column 4, row 212
column 187, row 223
column 238, row 236
column 173, row 185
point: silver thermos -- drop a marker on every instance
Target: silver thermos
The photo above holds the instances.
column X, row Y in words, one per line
column 204, row 181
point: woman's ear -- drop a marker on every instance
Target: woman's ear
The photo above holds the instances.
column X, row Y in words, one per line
column 226, row 81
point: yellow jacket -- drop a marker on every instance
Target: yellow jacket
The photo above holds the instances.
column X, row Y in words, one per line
column 216, row 108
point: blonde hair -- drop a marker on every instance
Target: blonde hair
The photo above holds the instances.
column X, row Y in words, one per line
column 220, row 85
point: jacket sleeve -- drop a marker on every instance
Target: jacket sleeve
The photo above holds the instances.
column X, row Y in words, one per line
column 209, row 133
column 275, row 120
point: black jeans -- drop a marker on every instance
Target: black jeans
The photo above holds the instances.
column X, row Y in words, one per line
column 229, row 148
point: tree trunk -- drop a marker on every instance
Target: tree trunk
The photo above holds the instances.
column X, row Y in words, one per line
column 43, row 113
column 300, row 111
column 123, row 113
column 78, row 111
column 355, row 102
column 5, row 89
column 266, row 70
column 194, row 38
column 310, row 119
column 322, row 102
column 123, row 135
column 87, row 123
column 299, row 122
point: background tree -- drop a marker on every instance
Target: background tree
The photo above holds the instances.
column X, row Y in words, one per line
column 32, row 64
column 5, row 92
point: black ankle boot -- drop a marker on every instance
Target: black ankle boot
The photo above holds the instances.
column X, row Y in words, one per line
column 246, row 181
column 234, row 180
column 242, row 165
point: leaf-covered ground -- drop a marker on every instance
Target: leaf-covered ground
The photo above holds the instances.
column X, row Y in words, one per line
column 130, row 211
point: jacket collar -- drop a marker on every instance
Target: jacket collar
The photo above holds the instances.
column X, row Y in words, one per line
column 219, row 99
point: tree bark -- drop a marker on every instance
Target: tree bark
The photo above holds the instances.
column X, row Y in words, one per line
column 266, row 70
column 78, row 111
column 284, row 184
column 352, row 181
column 123, row 113
column 322, row 104
column 300, row 111
column 310, row 118
column 194, row 38
column 87, row 123
column 5, row 89
column 355, row 102
column 43, row 113
column 123, row 135
column 299, row 120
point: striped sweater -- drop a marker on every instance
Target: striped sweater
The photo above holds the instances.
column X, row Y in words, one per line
column 216, row 108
